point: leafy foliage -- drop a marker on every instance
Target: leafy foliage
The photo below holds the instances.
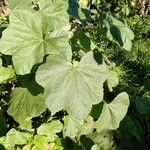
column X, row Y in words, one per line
column 113, row 113
column 6, row 73
column 60, row 88
column 74, row 83
column 23, row 103
column 34, row 38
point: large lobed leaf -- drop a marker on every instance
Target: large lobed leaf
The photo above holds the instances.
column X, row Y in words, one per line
column 28, row 39
column 72, row 87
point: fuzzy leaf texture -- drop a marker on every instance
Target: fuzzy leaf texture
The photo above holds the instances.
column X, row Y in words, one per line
column 28, row 39
column 55, row 12
column 72, row 87
column 24, row 106
column 113, row 79
column 71, row 127
column 113, row 113
column 6, row 73
column 14, row 137
column 119, row 32
column 20, row 4
column 50, row 129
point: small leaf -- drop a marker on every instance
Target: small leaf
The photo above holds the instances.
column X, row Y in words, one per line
column 119, row 32
column 71, row 127
column 40, row 142
column 74, row 88
column 102, row 140
column 87, row 127
column 50, row 129
column 6, row 73
column 25, row 106
column 113, row 113
column 15, row 137
column 113, row 79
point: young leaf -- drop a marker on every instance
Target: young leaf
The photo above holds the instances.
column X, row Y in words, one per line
column 113, row 113
column 25, row 106
column 6, row 73
column 40, row 142
column 15, row 137
column 28, row 39
column 102, row 140
column 72, row 87
column 87, row 127
column 71, row 127
column 50, row 129
column 112, row 80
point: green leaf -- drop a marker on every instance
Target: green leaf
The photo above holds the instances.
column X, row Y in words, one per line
column 19, row 4
column 87, row 127
column 95, row 147
column 102, row 140
column 28, row 39
column 40, row 142
column 76, row 11
column 55, row 11
column 50, row 129
column 71, row 127
column 113, row 113
column 113, row 79
column 26, row 124
column 119, row 32
column 6, row 73
column 25, row 106
column 72, row 87
column 2, row 139
column 15, row 137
